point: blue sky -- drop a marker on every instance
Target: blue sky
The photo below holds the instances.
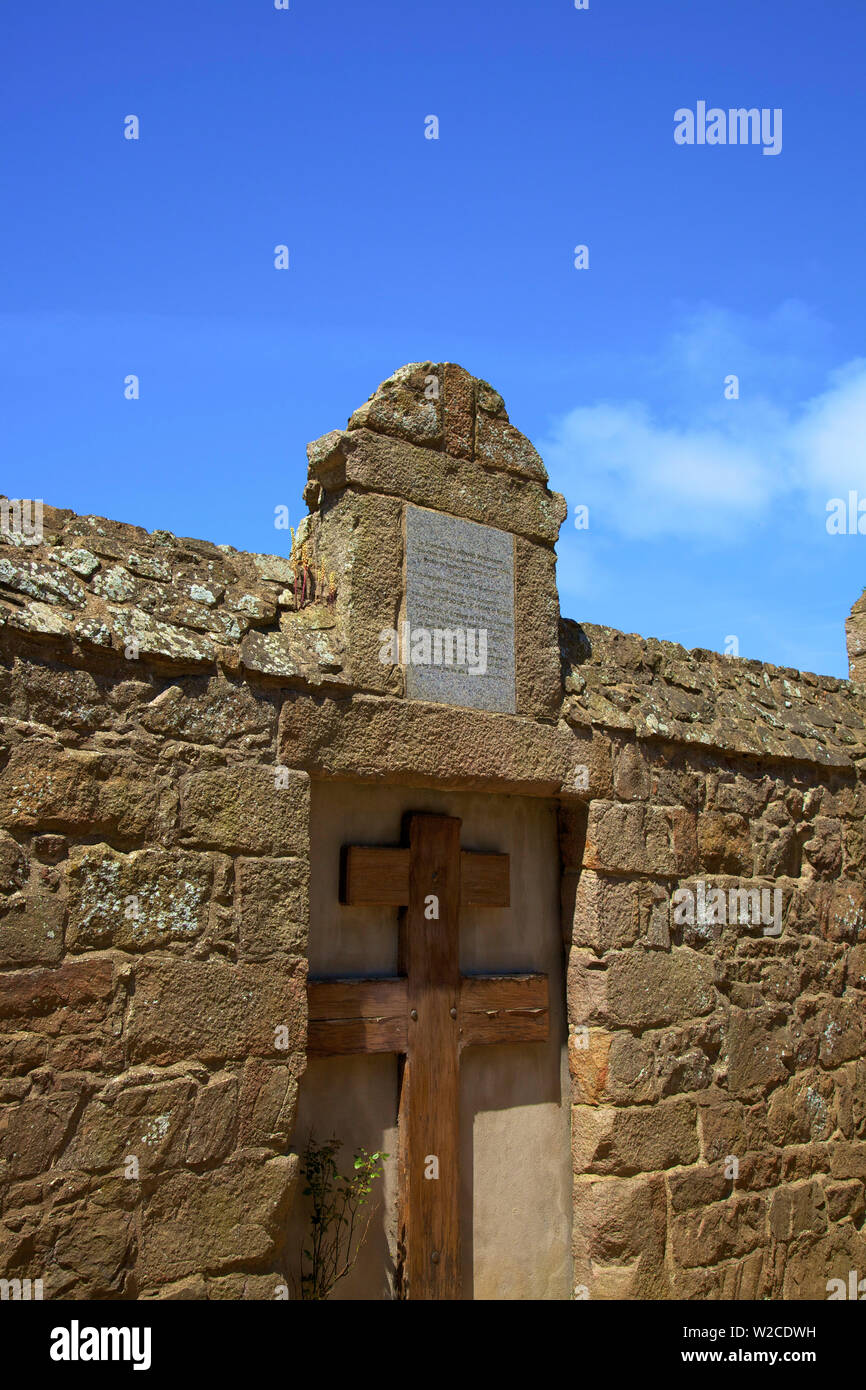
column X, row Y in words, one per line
column 306, row 127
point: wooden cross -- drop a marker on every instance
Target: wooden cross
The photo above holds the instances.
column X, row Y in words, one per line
column 427, row 1014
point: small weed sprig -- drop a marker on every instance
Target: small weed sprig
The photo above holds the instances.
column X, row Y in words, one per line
column 334, row 1238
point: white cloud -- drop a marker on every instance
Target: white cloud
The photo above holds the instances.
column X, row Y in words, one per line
column 711, row 464
column 828, row 444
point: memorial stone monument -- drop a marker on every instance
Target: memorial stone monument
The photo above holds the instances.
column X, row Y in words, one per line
column 368, row 840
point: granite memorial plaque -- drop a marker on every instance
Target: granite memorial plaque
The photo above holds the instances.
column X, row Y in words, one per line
column 457, row 638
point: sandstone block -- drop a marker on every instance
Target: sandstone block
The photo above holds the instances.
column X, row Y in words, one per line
column 220, row 714
column 723, row 1231
column 756, row 1050
column 415, row 743
column 240, row 810
column 92, row 1249
column 272, row 902
column 619, row 1243
column 46, row 787
column 70, row 996
column 499, row 445
column 588, row 1064
column 698, row 1187
column 797, row 1210
column 632, row 838
column 802, row 1111
column 538, row 669
column 403, row 406
column 723, row 1131
column 375, row 463
column 214, row 1120
column 724, row 844
column 814, row 1262
column 31, row 923
column 268, row 1102
column 631, row 774
column 136, row 901
column 211, row 1223
column 634, row 1139
column 149, row 1122
column 36, row 1131
column 213, row 1011
column 646, row 989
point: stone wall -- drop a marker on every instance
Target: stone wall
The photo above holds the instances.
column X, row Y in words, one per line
column 153, row 886
column 164, row 705
column 718, row 1072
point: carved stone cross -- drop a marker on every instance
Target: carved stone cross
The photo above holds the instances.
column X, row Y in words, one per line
column 427, row 1014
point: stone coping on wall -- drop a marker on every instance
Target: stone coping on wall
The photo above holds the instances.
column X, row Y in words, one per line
column 191, row 606
column 93, row 585
column 659, row 690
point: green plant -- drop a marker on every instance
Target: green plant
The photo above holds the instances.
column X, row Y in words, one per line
column 335, row 1236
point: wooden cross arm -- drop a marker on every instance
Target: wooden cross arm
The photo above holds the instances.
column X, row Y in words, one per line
column 504, row 1009
column 347, row 1016
column 360, row 1016
column 380, row 878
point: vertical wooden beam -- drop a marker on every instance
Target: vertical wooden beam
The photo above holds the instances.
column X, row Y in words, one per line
column 430, row 1109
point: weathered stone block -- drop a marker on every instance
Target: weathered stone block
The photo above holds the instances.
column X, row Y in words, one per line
column 136, row 901
column 633, row 838
column 268, row 1102
column 586, row 987
column 613, row 913
column 605, row 913
column 698, row 1187
column 845, row 1200
column 823, row 852
column 723, row 1131
column 813, row 1263
column 408, row 406
column 46, row 583
column 70, row 996
column 803, row 1110
column 538, row 665
column 272, row 901
column 645, row 989
column 92, row 1250
column 619, row 1226
column 638, row 1138
column 31, row 922
column 36, row 1131
column 797, row 1210
column 410, row 742
column 214, row 1222
column 161, row 642
column 241, row 810
column 840, row 1028
column 213, row 1011
column 631, row 774
column 148, row 1122
column 848, row 1160
column 588, row 1053
column 214, row 1122
column 730, row 1282
column 499, row 445
column 220, row 714
column 724, row 844
column 378, row 464
column 46, row 787
column 726, row 1230
column 756, row 1050
column 632, row 1071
